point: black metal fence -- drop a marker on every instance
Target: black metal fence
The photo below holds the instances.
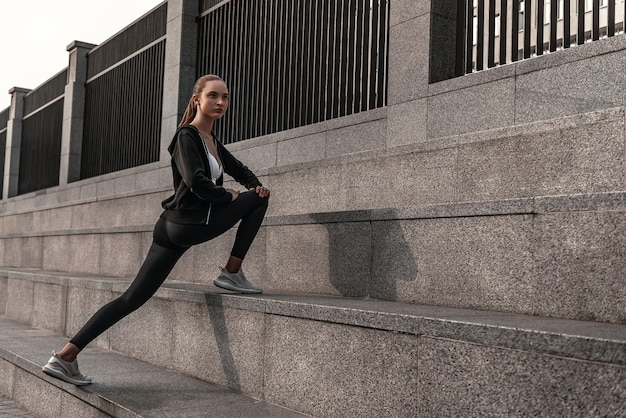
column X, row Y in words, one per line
column 40, row 154
column 497, row 32
column 4, row 119
column 124, row 95
column 290, row 63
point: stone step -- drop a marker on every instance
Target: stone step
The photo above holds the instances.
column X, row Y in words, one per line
column 333, row 356
column 124, row 387
column 559, row 256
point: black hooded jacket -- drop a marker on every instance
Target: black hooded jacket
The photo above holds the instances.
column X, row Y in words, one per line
column 195, row 192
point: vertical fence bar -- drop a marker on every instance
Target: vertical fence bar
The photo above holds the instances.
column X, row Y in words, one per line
column 491, row 61
column 554, row 7
column 504, row 8
column 515, row 31
column 567, row 18
column 527, row 27
column 540, row 21
column 481, row 33
column 596, row 20
column 610, row 30
column 461, row 33
column 580, row 34
column 469, row 38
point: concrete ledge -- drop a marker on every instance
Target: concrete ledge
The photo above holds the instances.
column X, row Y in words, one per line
column 327, row 356
column 542, row 256
column 584, row 340
column 124, row 387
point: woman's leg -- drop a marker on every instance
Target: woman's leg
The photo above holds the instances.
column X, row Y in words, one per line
column 159, row 262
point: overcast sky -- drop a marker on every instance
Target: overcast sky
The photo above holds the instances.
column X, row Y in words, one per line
column 34, row 35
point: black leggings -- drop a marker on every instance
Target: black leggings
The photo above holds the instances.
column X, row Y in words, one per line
column 170, row 241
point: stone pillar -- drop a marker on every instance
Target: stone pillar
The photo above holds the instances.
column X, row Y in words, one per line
column 409, row 52
column 14, row 141
column 180, row 65
column 73, row 112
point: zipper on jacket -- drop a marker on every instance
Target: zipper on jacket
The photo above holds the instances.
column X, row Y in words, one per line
column 208, row 215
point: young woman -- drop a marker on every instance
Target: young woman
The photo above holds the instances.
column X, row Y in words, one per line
column 198, row 211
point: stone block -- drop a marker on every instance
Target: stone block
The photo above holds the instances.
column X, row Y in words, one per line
column 222, row 345
column 302, row 149
column 581, row 159
column 84, row 215
column 418, row 179
column 36, row 395
column 7, row 371
column 121, row 254
column 408, row 60
column 462, row 379
column 330, row 370
column 56, row 252
column 147, row 333
column 85, row 253
column 356, row 138
column 324, row 258
column 32, row 252
column 581, row 260
column 407, row 122
column 4, row 296
column 257, row 158
column 476, row 108
column 49, row 306
column 313, row 188
column 402, row 10
column 476, row 262
column 20, row 300
column 568, row 89
column 88, row 191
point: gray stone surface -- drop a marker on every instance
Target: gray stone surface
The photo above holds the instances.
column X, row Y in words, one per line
column 582, row 259
column 123, row 387
column 459, row 379
column 49, row 306
column 582, row 159
column 408, row 60
column 363, row 137
column 407, row 122
column 221, row 345
column 20, row 300
column 473, row 109
column 82, row 303
column 376, row 374
column 402, row 10
column 302, row 149
column 568, row 90
column 465, row 262
column 121, row 254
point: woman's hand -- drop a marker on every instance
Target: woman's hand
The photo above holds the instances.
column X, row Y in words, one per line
column 235, row 194
column 262, row 191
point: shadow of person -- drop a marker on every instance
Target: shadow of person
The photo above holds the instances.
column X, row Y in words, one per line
column 359, row 239
column 220, row 331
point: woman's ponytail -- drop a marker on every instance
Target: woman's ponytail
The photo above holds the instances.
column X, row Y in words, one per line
column 189, row 114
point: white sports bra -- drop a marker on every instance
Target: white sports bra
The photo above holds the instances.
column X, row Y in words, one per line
column 216, row 169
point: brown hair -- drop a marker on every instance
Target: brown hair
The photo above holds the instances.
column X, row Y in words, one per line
column 190, row 112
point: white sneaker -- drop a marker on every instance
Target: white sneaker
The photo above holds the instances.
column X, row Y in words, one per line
column 66, row 371
column 236, row 282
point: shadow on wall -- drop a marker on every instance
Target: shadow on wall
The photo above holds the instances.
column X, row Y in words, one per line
column 220, row 330
column 364, row 254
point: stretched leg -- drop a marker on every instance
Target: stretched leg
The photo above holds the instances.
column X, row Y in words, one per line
column 159, row 262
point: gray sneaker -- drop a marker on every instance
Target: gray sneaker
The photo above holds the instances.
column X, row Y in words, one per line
column 236, row 282
column 66, row 371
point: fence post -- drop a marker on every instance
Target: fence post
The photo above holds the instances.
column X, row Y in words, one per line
column 180, row 65
column 73, row 112
column 13, row 144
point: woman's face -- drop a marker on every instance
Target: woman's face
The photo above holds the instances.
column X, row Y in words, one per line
column 213, row 99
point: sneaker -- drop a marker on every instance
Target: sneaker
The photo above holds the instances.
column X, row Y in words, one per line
column 236, row 282
column 66, row 371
